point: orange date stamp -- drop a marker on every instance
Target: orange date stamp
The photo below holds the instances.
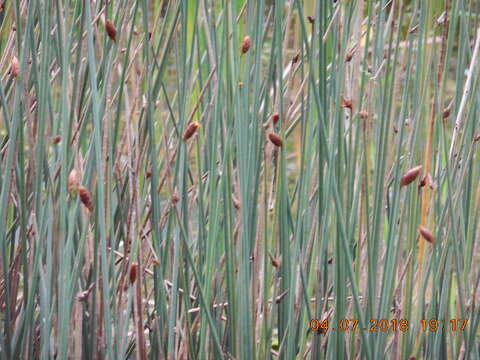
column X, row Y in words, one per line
column 320, row 326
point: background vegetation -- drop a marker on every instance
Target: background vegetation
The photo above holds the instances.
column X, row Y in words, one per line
column 122, row 236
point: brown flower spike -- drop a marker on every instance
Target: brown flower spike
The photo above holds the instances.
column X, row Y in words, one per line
column 57, row 139
column 410, row 175
column 347, row 103
column 275, row 139
column 246, row 44
column 296, row 58
column 133, row 273
column 349, row 55
column 111, row 31
column 275, row 262
column 426, row 234
column 275, row 117
column 15, row 66
column 190, row 130
column 85, row 197
column 446, row 112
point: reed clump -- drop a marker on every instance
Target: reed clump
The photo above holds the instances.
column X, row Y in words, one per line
column 239, row 179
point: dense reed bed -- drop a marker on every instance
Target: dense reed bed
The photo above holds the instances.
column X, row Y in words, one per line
column 213, row 179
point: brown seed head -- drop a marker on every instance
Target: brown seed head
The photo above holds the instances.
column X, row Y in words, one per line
column 15, row 66
column 347, row 103
column 446, row 112
column 275, row 117
column 133, row 273
column 275, row 139
column 410, row 175
column 111, row 31
column 85, row 197
column 311, row 19
column 57, row 139
column 190, row 130
column 349, row 55
column 73, row 182
column 296, row 58
column 246, row 44
column 148, row 173
column 275, row 262
column 363, row 114
column 476, row 138
column 426, row 234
